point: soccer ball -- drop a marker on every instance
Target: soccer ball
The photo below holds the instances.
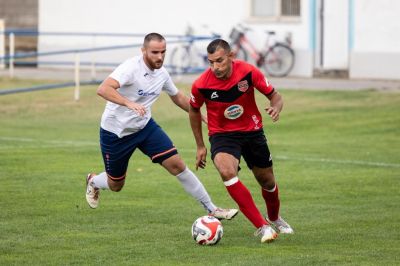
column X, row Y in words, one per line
column 207, row 230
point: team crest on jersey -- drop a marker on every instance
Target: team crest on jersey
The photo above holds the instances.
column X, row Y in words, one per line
column 233, row 111
column 243, row 85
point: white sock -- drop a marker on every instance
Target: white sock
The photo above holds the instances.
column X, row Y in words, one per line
column 194, row 187
column 100, row 181
column 231, row 181
column 270, row 190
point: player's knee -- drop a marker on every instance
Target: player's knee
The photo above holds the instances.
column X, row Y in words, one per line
column 266, row 182
column 227, row 173
column 116, row 186
column 268, row 185
column 180, row 167
column 174, row 165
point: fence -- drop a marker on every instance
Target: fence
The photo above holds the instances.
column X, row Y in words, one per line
column 12, row 59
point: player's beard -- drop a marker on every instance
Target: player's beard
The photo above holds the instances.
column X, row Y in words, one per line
column 156, row 64
column 220, row 74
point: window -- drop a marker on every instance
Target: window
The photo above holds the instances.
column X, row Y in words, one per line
column 275, row 9
column 290, row 8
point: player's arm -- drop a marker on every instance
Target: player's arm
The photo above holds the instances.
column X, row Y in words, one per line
column 182, row 101
column 195, row 123
column 276, row 105
column 108, row 90
column 265, row 87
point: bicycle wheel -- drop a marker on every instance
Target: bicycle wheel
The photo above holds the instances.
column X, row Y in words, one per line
column 180, row 60
column 198, row 59
column 279, row 60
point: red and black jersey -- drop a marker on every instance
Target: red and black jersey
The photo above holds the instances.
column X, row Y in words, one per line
column 230, row 103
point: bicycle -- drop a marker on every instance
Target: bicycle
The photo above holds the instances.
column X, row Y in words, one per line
column 188, row 57
column 276, row 58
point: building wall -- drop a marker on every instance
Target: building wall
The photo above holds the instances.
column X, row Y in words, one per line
column 359, row 36
column 336, row 32
column 166, row 17
column 375, row 49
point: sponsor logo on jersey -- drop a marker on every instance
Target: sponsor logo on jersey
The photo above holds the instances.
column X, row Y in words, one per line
column 214, row 95
column 233, row 111
column 266, row 81
column 145, row 94
column 243, row 85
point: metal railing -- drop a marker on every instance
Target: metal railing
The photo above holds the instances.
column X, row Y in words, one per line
column 12, row 59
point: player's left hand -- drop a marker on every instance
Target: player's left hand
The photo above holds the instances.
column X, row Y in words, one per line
column 273, row 113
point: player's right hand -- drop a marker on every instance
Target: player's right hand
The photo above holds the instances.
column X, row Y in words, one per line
column 138, row 108
column 201, row 157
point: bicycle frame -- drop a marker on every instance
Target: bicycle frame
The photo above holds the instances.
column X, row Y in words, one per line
column 276, row 58
column 249, row 47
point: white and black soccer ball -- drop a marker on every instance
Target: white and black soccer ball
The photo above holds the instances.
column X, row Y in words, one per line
column 207, row 230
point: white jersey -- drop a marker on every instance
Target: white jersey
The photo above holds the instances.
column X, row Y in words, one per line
column 140, row 85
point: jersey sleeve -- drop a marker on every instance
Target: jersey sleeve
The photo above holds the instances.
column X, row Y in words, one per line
column 261, row 83
column 196, row 98
column 169, row 86
column 124, row 74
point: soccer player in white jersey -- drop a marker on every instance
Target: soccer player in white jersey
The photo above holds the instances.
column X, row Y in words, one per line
column 127, row 124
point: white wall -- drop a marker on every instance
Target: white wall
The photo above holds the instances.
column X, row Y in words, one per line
column 377, row 26
column 124, row 16
column 376, row 49
column 369, row 39
column 166, row 17
column 336, row 32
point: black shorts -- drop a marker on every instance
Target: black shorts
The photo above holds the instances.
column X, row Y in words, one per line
column 251, row 145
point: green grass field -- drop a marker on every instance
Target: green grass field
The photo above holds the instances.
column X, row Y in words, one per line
column 337, row 160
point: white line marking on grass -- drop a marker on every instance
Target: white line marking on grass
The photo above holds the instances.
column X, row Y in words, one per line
column 57, row 143
column 68, row 143
column 324, row 160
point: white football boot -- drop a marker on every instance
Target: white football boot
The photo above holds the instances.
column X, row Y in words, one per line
column 281, row 226
column 221, row 214
column 92, row 193
column 267, row 233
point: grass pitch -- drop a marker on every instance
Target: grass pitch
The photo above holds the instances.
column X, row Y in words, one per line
column 336, row 157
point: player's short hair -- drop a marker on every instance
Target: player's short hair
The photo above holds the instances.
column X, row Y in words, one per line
column 218, row 43
column 152, row 37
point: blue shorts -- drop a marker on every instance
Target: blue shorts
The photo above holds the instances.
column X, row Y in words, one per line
column 151, row 140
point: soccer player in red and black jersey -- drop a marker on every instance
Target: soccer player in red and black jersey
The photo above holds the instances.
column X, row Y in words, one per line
column 235, row 129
